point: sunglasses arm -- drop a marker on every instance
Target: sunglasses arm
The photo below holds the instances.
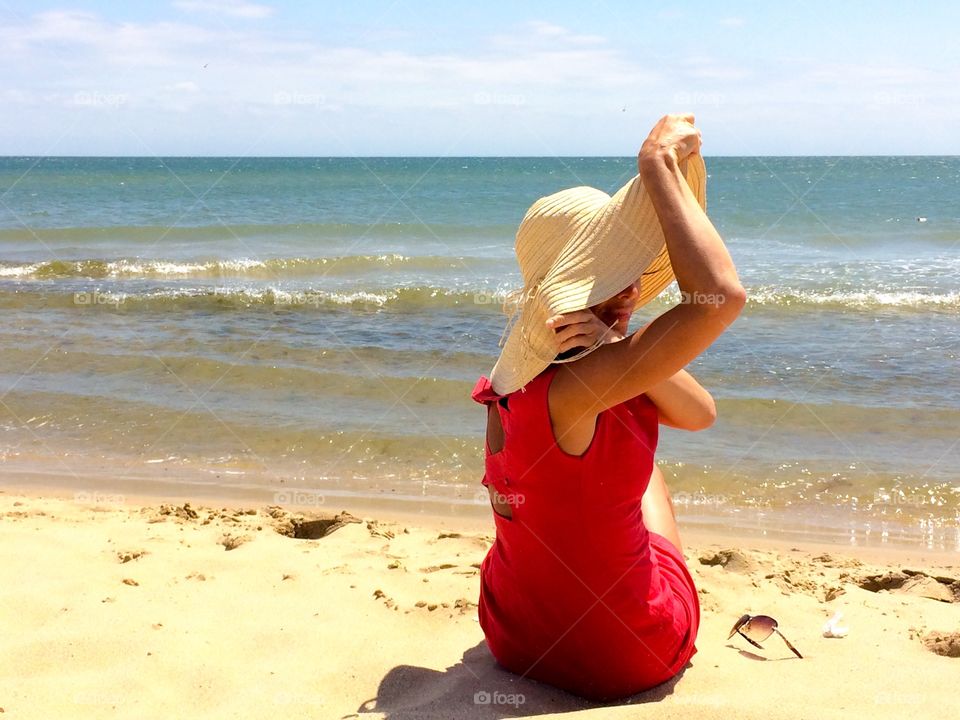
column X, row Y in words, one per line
column 749, row 640
column 789, row 644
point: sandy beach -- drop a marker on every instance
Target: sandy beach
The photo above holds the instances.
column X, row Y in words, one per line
column 114, row 607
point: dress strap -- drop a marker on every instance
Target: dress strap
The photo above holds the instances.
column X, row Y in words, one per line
column 483, row 391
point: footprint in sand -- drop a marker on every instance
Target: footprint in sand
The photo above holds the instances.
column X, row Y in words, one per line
column 913, row 582
column 126, row 556
column 314, row 529
column 232, row 542
column 943, row 643
column 387, row 600
column 730, row 559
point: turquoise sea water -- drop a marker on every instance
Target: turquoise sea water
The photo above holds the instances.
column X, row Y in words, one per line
column 318, row 324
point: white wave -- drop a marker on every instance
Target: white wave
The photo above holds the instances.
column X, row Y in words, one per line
column 862, row 298
column 19, row 270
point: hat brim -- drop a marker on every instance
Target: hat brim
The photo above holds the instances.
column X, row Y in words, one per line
column 524, row 354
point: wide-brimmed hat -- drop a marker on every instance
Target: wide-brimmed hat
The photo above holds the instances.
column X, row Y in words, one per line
column 577, row 248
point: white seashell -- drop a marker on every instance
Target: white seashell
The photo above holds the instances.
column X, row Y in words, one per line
column 832, row 627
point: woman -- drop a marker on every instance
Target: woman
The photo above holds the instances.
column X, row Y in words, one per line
column 586, row 587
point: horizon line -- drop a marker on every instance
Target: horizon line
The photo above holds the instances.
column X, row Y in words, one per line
column 451, row 157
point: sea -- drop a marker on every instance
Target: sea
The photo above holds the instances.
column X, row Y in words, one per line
column 308, row 331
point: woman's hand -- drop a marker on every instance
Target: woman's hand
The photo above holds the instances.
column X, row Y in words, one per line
column 674, row 135
column 580, row 328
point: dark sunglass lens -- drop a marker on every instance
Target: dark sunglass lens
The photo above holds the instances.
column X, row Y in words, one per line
column 759, row 628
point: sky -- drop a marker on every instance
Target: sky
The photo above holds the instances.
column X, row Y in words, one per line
column 400, row 77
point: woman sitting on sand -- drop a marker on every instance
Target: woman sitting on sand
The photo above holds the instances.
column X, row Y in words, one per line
column 586, row 587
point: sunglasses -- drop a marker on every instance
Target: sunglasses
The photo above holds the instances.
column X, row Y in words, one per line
column 757, row 628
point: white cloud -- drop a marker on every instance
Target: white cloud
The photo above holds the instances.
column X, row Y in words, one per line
column 545, row 28
column 207, row 82
column 239, row 9
column 179, row 87
column 544, row 34
column 732, row 22
column 76, row 39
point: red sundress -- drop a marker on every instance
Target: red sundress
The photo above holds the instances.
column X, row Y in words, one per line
column 575, row 591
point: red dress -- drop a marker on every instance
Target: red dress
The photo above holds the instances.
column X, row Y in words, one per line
column 575, row 591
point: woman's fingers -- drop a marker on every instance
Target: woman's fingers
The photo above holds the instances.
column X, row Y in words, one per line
column 675, row 134
column 583, row 333
column 559, row 321
column 580, row 340
column 575, row 330
column 580, row 328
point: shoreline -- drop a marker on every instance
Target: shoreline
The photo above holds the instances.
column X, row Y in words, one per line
column 482, row 522
column 779, row 526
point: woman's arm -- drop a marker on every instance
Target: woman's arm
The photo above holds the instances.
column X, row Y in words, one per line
column 683, row 402
column 703, row 267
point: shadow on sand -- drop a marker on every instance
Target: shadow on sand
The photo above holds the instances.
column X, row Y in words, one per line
column 477, row 687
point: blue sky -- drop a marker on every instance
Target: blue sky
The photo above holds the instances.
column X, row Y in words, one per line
column 212, row 77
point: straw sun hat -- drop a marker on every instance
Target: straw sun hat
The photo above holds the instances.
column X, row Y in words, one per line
column 577, row 248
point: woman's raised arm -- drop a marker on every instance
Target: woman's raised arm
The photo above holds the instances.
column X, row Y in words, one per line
column 712, row 294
